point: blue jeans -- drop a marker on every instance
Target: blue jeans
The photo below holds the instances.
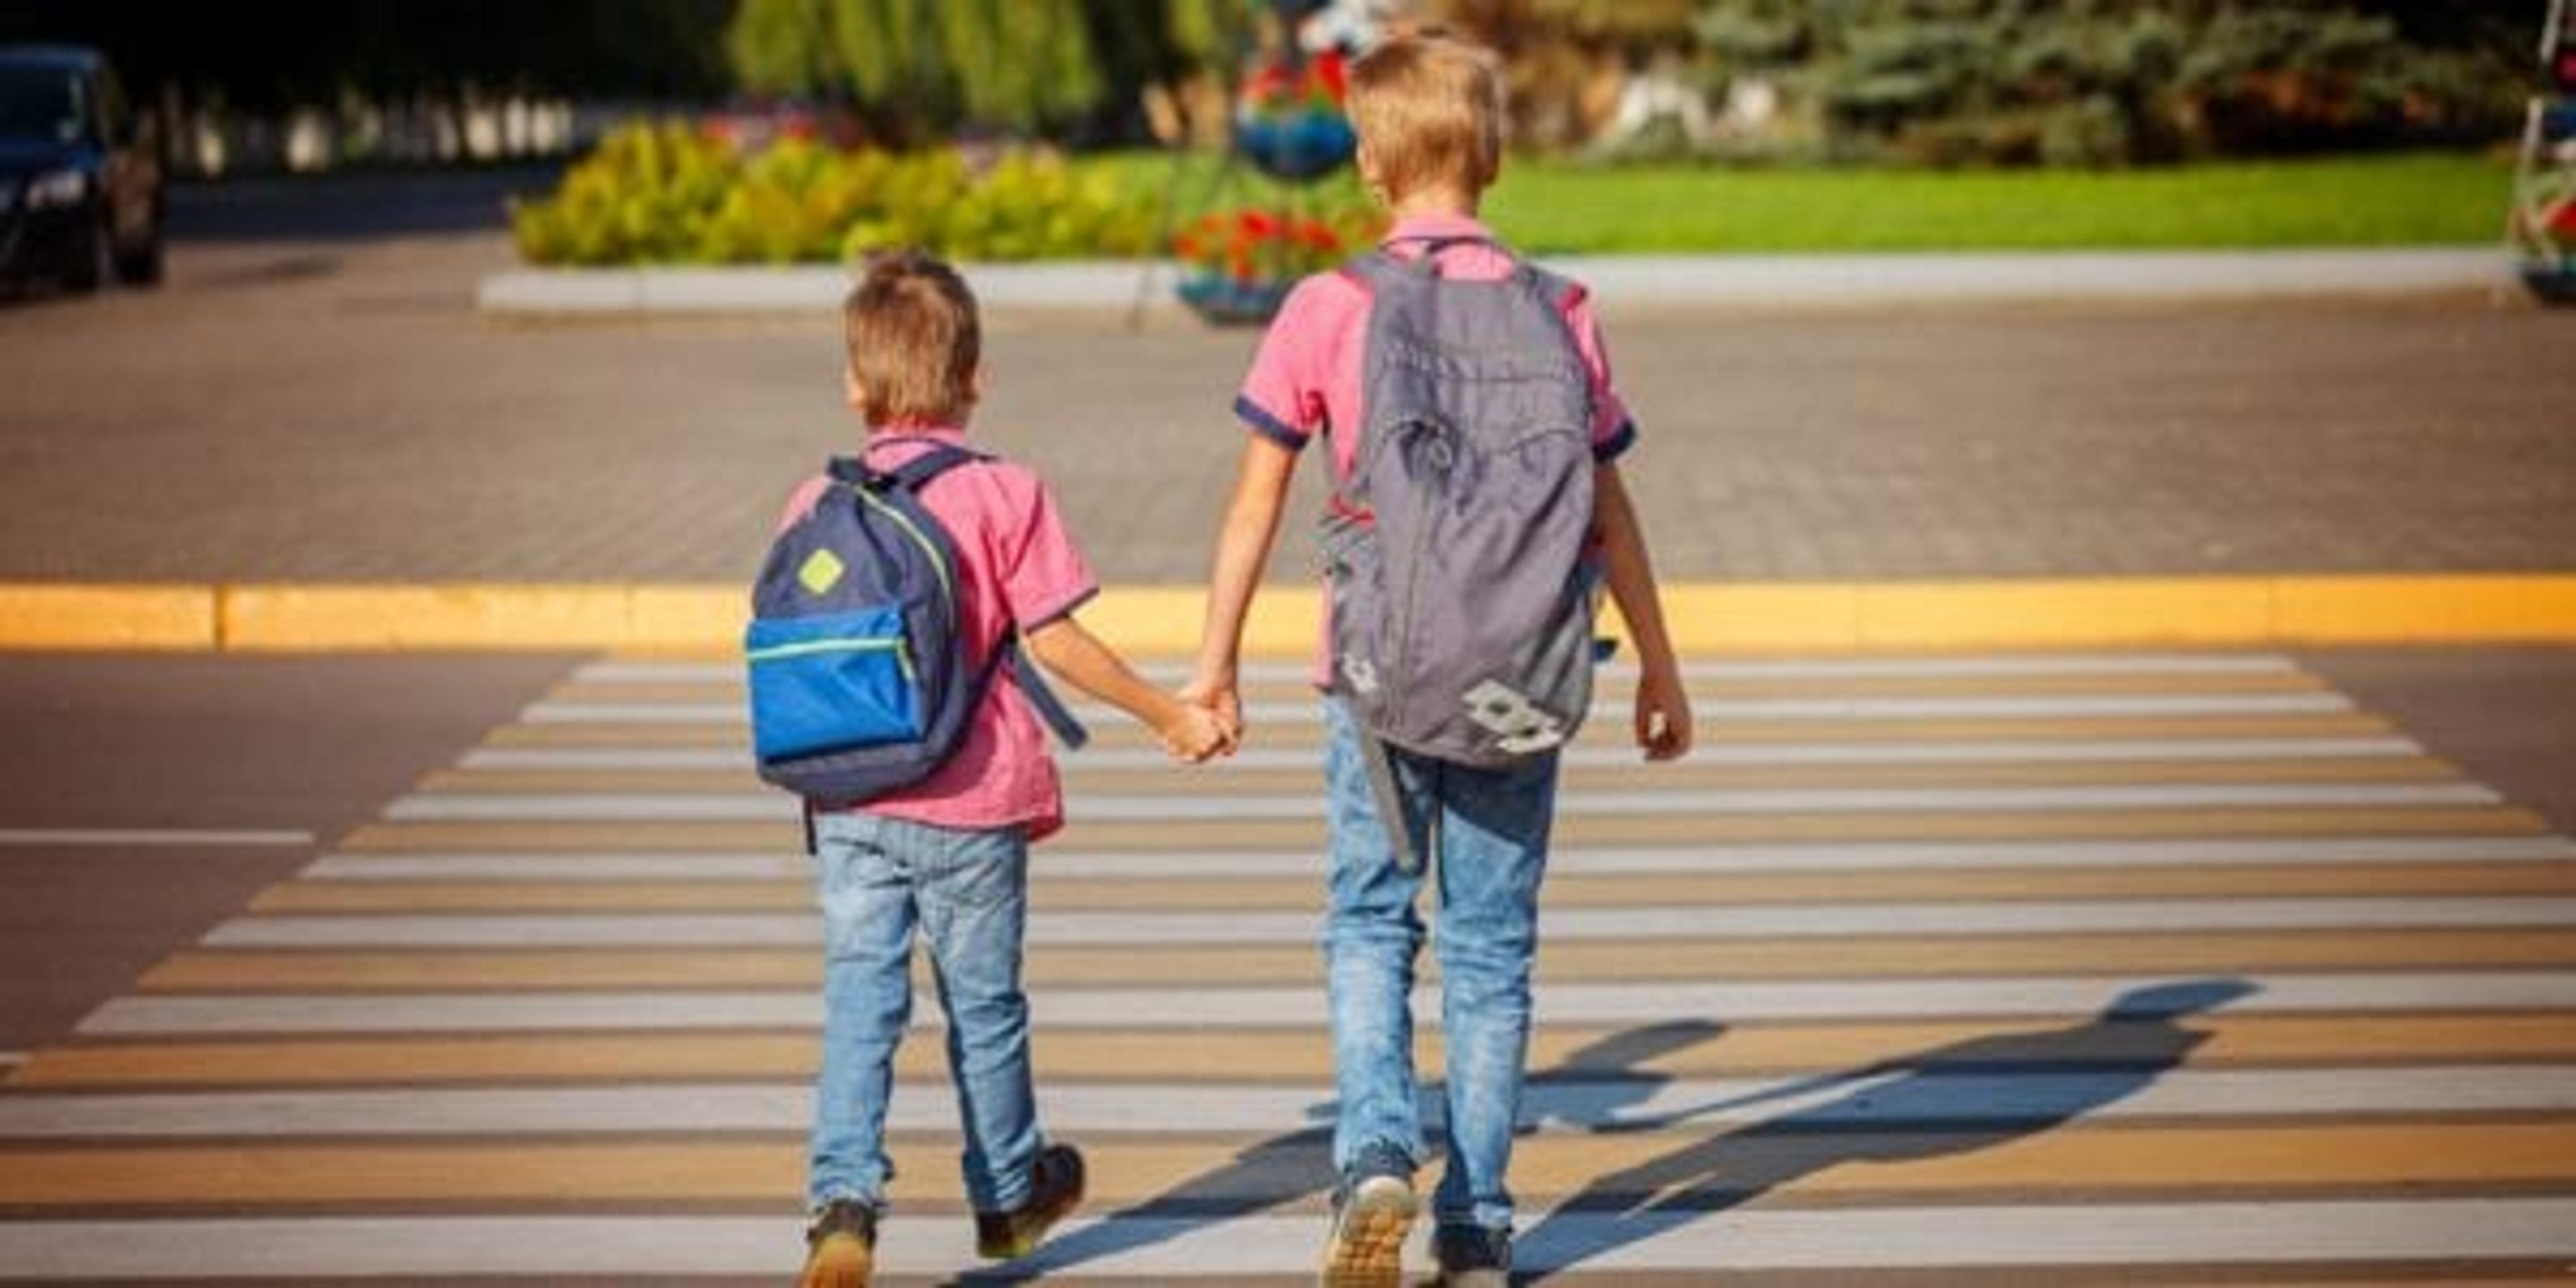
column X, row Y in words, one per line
column 967, row 892
column 1491, row 852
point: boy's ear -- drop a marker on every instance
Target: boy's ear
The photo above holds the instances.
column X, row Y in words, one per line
column 975, row 386
column 1366, row 157
column 852, row 392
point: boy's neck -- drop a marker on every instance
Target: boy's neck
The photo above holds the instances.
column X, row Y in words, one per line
column 1434, row 204
column 903, row 428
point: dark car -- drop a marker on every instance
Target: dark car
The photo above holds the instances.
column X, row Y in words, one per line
column 80, row 184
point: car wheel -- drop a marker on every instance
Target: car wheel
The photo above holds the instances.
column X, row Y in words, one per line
column 92, row 263
column 141, row 265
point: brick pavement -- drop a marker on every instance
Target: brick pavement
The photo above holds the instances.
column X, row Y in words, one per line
column 331, row 409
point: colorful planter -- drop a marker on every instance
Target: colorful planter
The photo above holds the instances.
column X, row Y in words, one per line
column 2552, row 285
column 1305, row 146
column 1225, row 301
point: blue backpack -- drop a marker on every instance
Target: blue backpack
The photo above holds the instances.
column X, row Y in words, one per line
column 859, row 681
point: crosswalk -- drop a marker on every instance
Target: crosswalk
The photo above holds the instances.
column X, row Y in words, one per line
column 2147, row 968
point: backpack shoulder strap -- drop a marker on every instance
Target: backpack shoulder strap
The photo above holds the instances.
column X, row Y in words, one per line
column 1059, row 718
column 1373, row 269
column 930, row 463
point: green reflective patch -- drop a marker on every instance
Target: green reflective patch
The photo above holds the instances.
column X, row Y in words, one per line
column 821, row 572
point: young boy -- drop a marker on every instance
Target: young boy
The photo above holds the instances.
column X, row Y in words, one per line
column 1428, row 111
column 948, row 856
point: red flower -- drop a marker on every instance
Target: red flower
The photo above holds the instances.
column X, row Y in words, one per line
column 1334, row 74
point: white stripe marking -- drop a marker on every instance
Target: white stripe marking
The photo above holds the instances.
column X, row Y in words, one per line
column 1076, row 866
column 154, row 838
column 1872, row 708
column 1303, row 1007
column 1878, row 1098
column 752, row 807
column 619, row 672
column 1138, row 1250
column 1151, row 1109
column 513, row 759
column 1219, row 929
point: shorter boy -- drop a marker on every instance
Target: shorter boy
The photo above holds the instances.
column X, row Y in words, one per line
column 947, row 857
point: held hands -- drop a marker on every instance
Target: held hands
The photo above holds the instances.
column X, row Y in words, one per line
column 1192, row 734
column 1663, row 713
column 1206, row 723
column 1220, row 708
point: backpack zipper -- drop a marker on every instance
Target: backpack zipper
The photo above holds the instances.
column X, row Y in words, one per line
column 813, row 648
column 947, row 592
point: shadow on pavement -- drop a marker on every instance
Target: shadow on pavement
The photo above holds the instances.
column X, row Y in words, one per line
column 1950, row 1100
column 1588, row 1090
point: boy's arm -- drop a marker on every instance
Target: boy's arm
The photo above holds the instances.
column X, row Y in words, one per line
column 1189, row 732
column 1663, row 706
column 1242, row 552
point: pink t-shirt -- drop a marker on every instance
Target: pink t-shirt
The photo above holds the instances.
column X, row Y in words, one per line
column 1017, row 567
column 1306, row 377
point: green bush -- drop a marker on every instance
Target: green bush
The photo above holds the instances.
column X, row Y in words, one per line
column 665, row 194
column 2099, row 83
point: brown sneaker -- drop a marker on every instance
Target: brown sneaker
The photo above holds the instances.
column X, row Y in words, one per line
column 1055, row 1189
column 840, row 1247
column 1370, row 1220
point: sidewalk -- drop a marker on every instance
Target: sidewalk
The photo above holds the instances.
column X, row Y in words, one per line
column 1679, row 281
column 337, row 413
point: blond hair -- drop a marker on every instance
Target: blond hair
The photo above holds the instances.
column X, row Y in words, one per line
column 1429, row 108
column 914, row 339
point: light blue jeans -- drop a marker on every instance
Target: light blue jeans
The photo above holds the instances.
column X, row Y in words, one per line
column 967, row 893
column 1491, row 852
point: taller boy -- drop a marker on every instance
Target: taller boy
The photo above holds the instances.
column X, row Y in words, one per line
column 1428, row 110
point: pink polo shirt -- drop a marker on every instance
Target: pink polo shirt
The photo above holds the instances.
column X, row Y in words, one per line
column 1306, row 377
column 1017, row 567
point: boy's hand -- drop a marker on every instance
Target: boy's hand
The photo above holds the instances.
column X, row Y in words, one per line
column 1663, row 714
column 1222, row 698
column 1194, row 734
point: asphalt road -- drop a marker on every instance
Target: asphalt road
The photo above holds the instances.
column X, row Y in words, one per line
column 171, row 746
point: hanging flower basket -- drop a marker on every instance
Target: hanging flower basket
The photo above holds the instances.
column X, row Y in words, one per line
column 1289, row 122
column 1237, row 266
column 2551, row 284
column 1222, row 301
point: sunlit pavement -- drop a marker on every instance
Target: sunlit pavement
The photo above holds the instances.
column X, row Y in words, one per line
column 2164, row 968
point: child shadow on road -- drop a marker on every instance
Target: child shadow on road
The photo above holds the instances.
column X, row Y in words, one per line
column 1954, row 1099
column 1589, row 1090
column 1950, row 1100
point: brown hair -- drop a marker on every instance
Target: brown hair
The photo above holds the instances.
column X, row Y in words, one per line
column 1430, row 109
column 914, row 339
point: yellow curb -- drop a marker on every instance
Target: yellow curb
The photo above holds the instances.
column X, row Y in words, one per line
column 1706, row 618
column 135, row 618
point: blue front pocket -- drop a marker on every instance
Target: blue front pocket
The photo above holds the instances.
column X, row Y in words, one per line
column 830, row 683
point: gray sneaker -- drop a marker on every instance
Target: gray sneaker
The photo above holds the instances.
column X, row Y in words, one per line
column 1471, row 1256
column 1371, row 1215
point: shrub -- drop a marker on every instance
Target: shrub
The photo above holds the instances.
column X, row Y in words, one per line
column 663, row 193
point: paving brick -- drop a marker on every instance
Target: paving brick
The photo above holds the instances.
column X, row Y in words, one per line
column 335, row 411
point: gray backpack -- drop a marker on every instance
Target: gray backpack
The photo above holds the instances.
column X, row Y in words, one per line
column 1462, row 606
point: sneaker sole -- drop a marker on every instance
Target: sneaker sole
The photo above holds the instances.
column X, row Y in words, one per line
column 1046, row 1221
column 839, row 1261
column 1367, row 1248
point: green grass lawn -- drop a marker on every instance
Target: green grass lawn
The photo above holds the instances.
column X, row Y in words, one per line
column 1558, row 208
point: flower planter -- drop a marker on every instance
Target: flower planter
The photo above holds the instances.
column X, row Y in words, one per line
column 2552, row 284
column 1296, row 148
column 1225, row 301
